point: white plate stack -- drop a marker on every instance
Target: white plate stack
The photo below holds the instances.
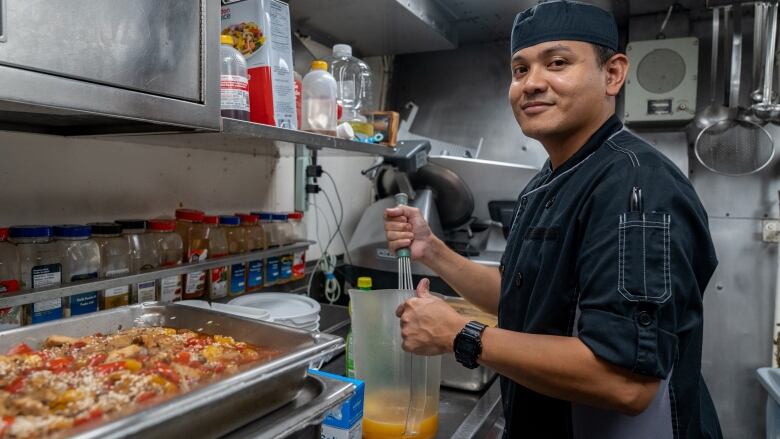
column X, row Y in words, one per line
column 287, row 309
column 251, row 313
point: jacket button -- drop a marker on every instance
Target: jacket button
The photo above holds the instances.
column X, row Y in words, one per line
column 644, row 318
column 549, row 203
column 519, row 280
column 523, row 201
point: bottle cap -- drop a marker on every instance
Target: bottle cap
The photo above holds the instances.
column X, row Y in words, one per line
column 193, row 215
column 162, row 225
column 72, row 231
column 211, row 219
column 3, row 234
column 247, row 218
column 342, row 50
column 132, row 224
column 229, row 220
column 295, row 215
column 105, row 228
column 364, row 283
column 264, row 216
column 319, row 65
column 29, row 231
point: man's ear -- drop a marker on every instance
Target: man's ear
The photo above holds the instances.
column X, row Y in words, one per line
column 616, row 70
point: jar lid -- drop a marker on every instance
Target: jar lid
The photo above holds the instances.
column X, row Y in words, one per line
column 264, row 216
column 211, row 219
column 105, row 228
column 279, row 217
column 193, row 215
column 72, row 231
column 295, row 215
column 131, row 224
column 364, row 283
column 229, row 220
column 29, row 231
column 3, row 234
column 247, row 218
column 162, row 224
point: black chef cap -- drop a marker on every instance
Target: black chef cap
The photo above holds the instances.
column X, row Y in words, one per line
column 564, row 20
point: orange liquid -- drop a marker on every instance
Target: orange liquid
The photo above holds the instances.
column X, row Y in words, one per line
column 386, row 430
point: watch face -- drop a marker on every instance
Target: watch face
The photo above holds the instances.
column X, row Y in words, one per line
column 469, row 348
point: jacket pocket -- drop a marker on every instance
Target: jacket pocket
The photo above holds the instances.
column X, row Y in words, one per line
column 643, row 257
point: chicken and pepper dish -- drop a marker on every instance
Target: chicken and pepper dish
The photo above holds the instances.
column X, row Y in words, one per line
column 75, row 381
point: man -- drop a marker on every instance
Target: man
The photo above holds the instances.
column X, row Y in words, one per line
column 599, row 293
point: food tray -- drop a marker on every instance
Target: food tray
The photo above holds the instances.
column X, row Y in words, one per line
column 216, row 408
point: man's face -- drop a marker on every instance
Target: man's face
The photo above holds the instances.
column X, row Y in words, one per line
column 557, row 88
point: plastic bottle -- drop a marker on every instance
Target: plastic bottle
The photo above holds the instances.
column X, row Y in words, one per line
column 236, row 238
column 298, row 82
column 255, row 240
column 365, row 284
column 285, row 237
column 195, row 237
column 353, row 85
column 233, row 81
column 298, row 234
column 218, row 248
column 143, row 257
column 271, row 240
column 114, row 262
column 170, row 250
column 80, row 261
column 319, row 107
column 10, row 317
column 40, row 266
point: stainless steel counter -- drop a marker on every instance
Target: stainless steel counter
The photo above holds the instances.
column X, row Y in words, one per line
column 462, row 414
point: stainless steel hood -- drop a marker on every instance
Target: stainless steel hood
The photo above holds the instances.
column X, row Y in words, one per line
column 390, row 27
column 377, row 27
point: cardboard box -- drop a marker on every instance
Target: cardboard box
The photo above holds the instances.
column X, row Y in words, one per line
column 386, row 123
column 261, row 31
column 345, row 421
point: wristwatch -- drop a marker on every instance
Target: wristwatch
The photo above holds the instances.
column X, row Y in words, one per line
column 468, row 344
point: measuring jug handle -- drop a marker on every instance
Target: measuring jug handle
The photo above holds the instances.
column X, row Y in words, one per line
column 418, row 388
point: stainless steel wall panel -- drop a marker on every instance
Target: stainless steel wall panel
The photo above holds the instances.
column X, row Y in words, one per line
column 144, row 45
column 738, row 318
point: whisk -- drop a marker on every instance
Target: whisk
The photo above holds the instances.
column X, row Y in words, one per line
column 418, row 366
column 404, row 254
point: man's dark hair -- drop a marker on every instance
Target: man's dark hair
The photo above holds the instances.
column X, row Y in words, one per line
column 603, row 54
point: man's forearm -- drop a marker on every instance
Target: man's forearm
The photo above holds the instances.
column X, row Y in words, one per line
column 565, row 368
column 478, row 284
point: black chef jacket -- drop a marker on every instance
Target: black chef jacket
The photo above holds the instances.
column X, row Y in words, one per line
column 626, row 278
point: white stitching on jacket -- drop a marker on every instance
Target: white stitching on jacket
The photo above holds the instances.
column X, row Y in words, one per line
column 665, row 225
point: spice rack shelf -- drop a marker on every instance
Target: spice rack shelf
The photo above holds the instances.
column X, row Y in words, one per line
column 30, row 296
column 251, row 138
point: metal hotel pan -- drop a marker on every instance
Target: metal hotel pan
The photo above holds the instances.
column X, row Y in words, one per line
column 218, row 407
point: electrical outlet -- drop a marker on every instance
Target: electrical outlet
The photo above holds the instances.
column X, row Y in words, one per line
column 771, row 230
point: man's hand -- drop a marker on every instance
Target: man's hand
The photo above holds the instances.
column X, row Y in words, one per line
column 428, row 324
column 405, row 227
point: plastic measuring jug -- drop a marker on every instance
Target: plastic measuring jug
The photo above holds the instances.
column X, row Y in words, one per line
column 402, row 389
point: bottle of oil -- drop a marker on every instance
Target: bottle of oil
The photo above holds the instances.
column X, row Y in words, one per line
column 365, row 284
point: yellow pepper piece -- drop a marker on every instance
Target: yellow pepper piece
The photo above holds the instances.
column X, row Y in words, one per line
column 133, row 365
column 167, row 386
column 65, row 398
column 212, row 353
column 224, row 340
column 169, row 331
